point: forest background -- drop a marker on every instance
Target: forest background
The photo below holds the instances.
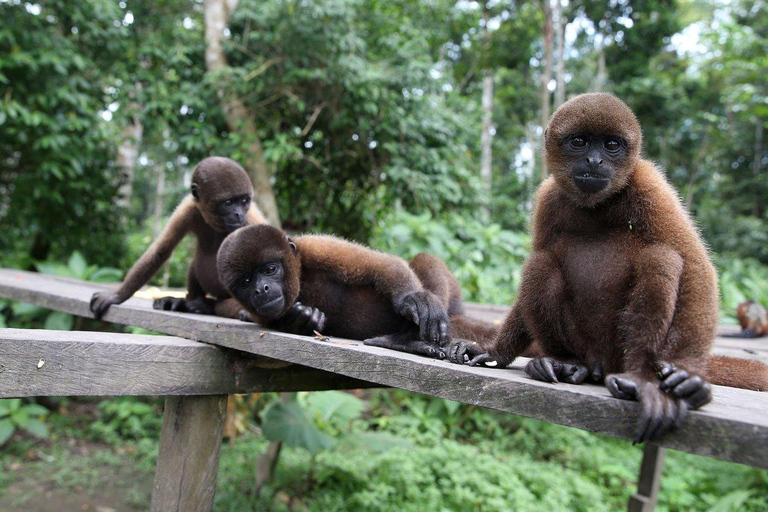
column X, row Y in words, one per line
column 407, row 125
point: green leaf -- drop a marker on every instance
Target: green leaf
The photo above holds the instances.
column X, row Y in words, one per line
column 77, row 265
column 106, row 275
column 373, row 441
column 6, row 430
column 37, row 428
column 24, row 309
column 731, row 501
column 59, row 321
column 287, row 423
column 35, row 410
column 54, row 269
column 336, row 405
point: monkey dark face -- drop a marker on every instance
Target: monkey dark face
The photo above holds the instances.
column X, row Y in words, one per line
column 592, row 146
column 260, row 266
column 223, row 193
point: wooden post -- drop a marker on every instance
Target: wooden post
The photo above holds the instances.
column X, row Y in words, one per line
column 644, row 500
column 188, row 462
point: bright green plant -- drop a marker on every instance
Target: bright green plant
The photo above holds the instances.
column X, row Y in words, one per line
column 127, row 418
column 14, row 415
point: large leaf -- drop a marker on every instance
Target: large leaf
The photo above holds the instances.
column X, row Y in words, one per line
column 59, row 321
column 335, row 406
column 106, row 275
column 287, row 423
column 35, row 410
column 37, row 428
column 77, row 265
column 731, row 501
column 6, row 430
column 54, row 269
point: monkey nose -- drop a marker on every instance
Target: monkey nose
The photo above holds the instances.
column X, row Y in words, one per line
column 595, row 162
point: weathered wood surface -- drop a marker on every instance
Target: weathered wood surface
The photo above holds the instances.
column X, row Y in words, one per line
column 67, row 363
column 188, row 460
column 734, row 427
column 649, row 483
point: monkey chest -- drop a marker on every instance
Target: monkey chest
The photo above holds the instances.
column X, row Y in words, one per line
column 207, row 275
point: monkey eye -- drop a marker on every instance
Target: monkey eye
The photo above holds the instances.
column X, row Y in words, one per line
column 612, row 145
column 245, row 200
column 228, row 202
column 578, row 142
column 270, row 270
column 245, row 281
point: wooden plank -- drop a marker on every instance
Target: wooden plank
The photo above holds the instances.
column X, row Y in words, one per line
column 734, row 427
column 649, row 483
column 68, row 363
column 188, row 460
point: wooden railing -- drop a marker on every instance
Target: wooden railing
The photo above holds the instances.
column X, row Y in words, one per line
column 196, row 377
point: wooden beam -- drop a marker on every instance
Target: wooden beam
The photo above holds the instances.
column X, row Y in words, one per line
column 734, row 427
column 69, row 363
column 188, row 461
column 644, row 500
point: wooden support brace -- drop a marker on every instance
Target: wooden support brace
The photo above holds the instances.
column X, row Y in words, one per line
column 188, row 462
column 644, row 500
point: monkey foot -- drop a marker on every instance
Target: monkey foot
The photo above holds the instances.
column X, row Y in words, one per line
column 101, row 301
column 425, row 310
column 660, row 412
column 689, row 387
column 462, row 351
column 197, row 306
column 551, row 370
column 405, row 342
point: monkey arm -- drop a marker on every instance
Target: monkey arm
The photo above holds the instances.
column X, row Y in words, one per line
column 254, row 216
column 153, row 258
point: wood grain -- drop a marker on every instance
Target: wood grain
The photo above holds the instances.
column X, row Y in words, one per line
column 67, row 363
column 734, row 427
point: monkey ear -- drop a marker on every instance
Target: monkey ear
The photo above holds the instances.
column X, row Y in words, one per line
column 293, row 245
column 195, row 192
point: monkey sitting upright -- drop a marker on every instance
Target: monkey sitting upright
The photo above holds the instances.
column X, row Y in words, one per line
column 220, row 203
column 753, row 318
column 347, row 290
column 619, row 282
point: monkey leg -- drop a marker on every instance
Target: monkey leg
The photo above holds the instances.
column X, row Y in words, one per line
column 436, row 277
column 547, row 369
column 406, row 341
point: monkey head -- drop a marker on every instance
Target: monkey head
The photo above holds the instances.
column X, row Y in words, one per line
column 592, row 147
column 223, row 193
column 261, row 267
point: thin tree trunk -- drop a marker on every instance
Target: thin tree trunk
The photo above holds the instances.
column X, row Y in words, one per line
column 266, row 463
column 487, row 103
column 602, row 73
column 560, row 73
column 239, row 119
column 547, row 31
column 127, row 155
column 757, row 166
column 157, row 224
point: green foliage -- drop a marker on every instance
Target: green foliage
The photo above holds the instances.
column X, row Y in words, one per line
column 15, row 415
column 127, row 418
column 485, row 258
column 741, row 280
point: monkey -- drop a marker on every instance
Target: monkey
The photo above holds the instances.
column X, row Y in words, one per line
column 219, row 203
column 344, row 289
column 619, row 287
column 753, row 318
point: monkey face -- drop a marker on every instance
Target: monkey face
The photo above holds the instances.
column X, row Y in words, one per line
column 223, row 193
column 230, row 213
column 592, row 146
column 263, row 290
column 260, row 266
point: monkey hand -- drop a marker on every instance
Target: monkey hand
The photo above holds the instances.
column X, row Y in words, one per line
column 426, row 311
column 244, row 316
column 660, row 411
column 471, row 352
column 202, row 306
column 547, row 369
column 691, row 388
column 101, row 301
column 301, row 319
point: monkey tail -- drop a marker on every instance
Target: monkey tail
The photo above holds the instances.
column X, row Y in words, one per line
column 484, row 333
column 738, row 373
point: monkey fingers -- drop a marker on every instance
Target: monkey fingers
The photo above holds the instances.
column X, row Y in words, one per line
column 170, row 304
column 302, row 319
column 548, row 370
column 202, row 306
column 426, row 310
column 461, row 348
column 690, row 387
column 486, row 360
column 404, row 342
column 100, row 303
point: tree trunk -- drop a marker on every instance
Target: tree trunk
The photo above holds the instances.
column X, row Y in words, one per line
column 487, row 103
column 128, row 154
column 560, row 73
column 757, row 166
column 602, row 73
column 239, row 120
column 547, row 31
column 157, row 224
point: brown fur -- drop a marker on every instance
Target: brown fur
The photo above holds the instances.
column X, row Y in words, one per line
column 216, row 178
column 621, row 279
column 753, row 318
column 356, row 287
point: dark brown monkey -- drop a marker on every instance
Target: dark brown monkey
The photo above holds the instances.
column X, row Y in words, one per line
column 219, row 203
column 344, row 289
column 753, row 318
column 619, row 282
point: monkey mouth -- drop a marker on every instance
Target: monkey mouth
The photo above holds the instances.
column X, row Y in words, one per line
column 271, row 308
column 231, row 226
column 590, row 182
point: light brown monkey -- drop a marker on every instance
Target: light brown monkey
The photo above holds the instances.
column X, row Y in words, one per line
column 326, row 284
column 753, row 318
column 220, row 202
column 619, row 282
